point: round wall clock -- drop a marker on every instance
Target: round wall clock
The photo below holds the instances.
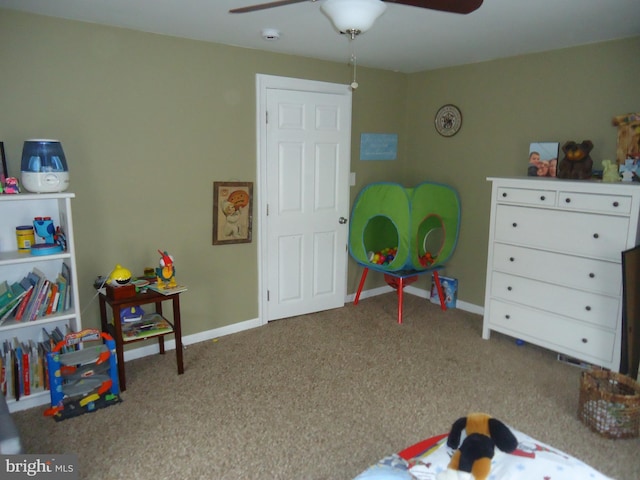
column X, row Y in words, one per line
column 448, row 120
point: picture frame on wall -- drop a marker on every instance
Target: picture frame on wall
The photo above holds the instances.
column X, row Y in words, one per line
column 232, row 212
column 543, row 159
column 4, row 173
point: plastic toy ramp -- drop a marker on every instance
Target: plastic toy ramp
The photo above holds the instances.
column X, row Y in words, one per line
column 83, row 380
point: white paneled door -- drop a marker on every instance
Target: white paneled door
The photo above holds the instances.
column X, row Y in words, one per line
column 306, row 137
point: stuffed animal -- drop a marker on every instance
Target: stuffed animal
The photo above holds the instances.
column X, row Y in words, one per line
column 576, row 163
column 472, row 458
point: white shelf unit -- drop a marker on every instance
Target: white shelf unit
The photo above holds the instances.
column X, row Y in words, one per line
column 554, row 273
column 21, row 209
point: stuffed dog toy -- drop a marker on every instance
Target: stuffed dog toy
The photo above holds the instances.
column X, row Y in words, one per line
column 472, row 458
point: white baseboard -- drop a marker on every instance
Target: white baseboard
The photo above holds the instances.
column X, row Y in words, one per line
column 152, row 349
column 460, row 305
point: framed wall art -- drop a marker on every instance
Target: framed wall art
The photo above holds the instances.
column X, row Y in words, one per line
column 232, row 212
column 4, row 173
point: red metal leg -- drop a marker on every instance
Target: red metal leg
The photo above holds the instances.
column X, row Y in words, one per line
column 362, row 279
column 400, row 289
column 436, row 279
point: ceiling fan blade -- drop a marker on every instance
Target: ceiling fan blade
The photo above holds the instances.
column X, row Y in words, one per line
column 264, row 6
column 453, row 6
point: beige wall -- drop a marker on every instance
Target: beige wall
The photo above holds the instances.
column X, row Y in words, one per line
column 557, row 96
column 148, row 123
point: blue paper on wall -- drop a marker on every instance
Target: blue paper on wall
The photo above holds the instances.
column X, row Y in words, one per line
column 378, row 146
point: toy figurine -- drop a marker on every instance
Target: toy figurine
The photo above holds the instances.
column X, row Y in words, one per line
column 119, row 276
column 166, row 272
column 44, row 229
column 11, row 185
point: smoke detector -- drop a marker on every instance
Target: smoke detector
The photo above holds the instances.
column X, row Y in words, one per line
column 270, row 34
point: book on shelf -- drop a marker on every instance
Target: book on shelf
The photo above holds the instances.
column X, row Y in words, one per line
column 36, row 296
column 23, row 304
column 41, row 294
column 8, row 293
column 52, row 299
column 23, row 365
column 12, row 307
column 151, row 325
column 64, row 291
column 167, row 291
column 66, row 274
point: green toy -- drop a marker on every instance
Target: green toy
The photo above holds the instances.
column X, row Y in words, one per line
column 418, row 225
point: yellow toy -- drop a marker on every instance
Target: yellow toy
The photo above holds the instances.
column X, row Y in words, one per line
column 166, row 272
column 119, row 276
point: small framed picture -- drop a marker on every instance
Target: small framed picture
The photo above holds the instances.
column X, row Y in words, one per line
column 4, row 173
column 232, row 212
column 543, row 159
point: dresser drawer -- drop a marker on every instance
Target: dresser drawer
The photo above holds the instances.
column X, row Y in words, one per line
column 590, row 235
column 598, row 310
column 583, row 273
column 526, row 196
column 620, row 204
column 554, row 332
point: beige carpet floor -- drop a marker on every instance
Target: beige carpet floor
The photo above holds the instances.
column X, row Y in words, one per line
column 323, row 396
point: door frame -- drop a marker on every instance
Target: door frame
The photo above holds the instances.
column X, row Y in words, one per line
column 263, row 84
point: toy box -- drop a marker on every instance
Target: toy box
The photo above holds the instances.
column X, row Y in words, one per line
column 450, row 290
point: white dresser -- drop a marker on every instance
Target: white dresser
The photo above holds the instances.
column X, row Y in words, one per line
column 554, row 274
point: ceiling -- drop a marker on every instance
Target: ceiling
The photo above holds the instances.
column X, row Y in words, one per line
column 404, row 39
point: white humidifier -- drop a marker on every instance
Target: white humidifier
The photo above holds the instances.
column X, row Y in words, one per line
column 44, row 166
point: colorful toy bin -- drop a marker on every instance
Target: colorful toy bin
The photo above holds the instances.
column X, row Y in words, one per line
column 411, row 228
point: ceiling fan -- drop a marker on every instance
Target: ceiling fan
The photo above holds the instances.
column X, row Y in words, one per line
column 352, row 17
column 453, row 6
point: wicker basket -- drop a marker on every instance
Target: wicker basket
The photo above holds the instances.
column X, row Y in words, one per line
column 610, row 404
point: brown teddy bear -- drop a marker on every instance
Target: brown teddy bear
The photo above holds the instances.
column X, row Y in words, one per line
column 576, row 163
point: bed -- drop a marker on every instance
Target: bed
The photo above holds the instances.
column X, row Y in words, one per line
column 531, row 460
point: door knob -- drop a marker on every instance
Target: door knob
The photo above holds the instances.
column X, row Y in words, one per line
column 342, row 221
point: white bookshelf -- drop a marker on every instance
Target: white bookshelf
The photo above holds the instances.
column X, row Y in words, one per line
column 21, row 209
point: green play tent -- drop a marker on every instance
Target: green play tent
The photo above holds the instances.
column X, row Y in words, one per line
column 417, row 227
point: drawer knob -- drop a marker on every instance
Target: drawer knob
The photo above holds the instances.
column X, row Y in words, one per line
column 504, row 195
column 616, row 204
column 587, row 308
column 543, row 198
column 568, row 200
column 511, row 259
column 507, row 317
column 595, row 235
column 514, row 224
column 592, row 275
column 509, row 288
column 584, row 340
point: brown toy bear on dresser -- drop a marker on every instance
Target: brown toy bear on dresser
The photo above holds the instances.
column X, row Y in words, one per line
column 576, row 163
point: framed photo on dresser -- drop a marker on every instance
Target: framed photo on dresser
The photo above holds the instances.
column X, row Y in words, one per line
column 543, row 159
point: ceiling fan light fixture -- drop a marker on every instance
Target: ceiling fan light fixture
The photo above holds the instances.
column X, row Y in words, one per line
column 353, row 16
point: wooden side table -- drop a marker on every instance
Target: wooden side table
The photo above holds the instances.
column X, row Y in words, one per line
column 114, row 326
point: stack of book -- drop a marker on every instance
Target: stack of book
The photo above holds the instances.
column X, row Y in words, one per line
column 23, row 365
column 150, row 325
column 35, row 296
